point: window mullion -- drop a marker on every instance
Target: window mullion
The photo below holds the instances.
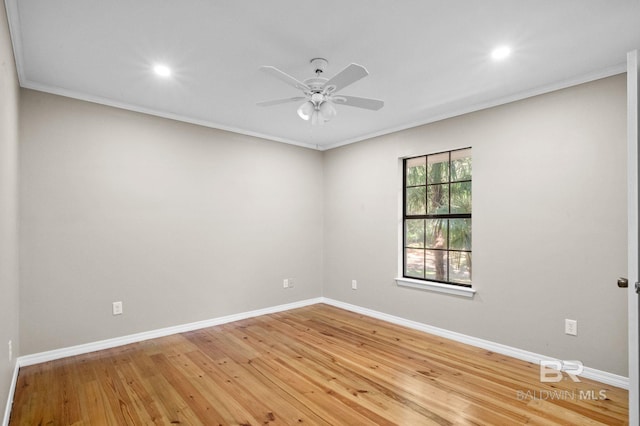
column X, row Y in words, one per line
column 448, row 221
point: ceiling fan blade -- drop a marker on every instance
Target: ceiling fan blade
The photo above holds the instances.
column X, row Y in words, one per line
column 283, row 76
column 354, row 101
column 281, row 101
column 347, row 76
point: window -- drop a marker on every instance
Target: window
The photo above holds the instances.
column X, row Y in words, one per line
column 437, row 217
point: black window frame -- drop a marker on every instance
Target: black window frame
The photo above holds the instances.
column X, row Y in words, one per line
column 405, row 216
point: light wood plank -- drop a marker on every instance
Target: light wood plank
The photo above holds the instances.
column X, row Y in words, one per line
column 314, row 365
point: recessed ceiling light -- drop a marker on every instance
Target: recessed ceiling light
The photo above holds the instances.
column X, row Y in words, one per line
column 162, row 70
column 500, row 52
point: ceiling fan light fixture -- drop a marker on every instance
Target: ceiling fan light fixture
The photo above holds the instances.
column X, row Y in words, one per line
column 306, row 110
column 317, row 119
column 327, row 110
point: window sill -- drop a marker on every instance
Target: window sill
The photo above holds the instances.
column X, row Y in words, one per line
column 436, row 287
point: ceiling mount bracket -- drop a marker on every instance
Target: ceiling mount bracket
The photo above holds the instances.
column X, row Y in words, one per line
column 319, row 64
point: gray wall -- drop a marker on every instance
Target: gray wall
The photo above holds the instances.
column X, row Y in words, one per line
column 180, row 222
column 8, row 209
column 549, row 224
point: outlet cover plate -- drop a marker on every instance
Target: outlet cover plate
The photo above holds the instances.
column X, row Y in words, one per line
column 571, row 327
column 117, row 308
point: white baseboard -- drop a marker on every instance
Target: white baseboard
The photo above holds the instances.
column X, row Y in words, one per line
column 12, row 391
column 589, row 373
column 40, row 357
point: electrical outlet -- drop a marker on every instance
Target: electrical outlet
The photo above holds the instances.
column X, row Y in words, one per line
column 571, row 327
column 287, row 283
column 354, row 285
column 10, row 350
column 117, row 308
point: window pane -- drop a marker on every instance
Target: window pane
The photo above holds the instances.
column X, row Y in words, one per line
column 414, row 263
column 436, row 233
column 438, row 168
column 437, row 221
column 416, row 200
column 436, row 265
column 460, row 234
column 460, row 267
column 414, row 236
column 461, row 197
column 461, row 165
column 416, row 171
column 438, row 199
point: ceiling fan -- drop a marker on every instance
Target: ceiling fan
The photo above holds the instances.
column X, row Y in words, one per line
column 320, row 93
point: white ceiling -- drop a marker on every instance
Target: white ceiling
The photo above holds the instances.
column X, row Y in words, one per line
column 427, row 59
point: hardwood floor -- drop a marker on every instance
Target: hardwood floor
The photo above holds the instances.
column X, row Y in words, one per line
column 314, row 365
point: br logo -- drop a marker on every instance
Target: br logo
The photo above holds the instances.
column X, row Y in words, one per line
column 553, row 371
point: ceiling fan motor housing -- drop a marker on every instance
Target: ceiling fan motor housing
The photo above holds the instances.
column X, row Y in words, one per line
column 316, row 84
